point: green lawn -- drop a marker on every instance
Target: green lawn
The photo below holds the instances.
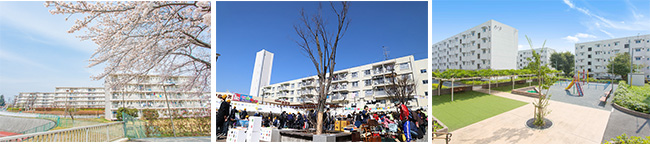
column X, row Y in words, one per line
column 508, row 87
column 470, row 107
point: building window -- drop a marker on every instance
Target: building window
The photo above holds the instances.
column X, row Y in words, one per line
column 638, row 58
column 404, row 65
column 589, row 49
column 366, row 72
column 638, row 50
column 355, row 84
column 638, row 41
column 368, row 92
column 368, row 82
column 616, row 43
column 423, row 70
column 425, row 81
column 427, row 93
column 626, row 46
column 355, row 74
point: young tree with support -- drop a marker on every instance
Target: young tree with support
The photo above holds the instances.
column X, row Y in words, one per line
column 545, row 78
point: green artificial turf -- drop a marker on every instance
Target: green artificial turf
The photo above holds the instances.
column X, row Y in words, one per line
column 470, row 107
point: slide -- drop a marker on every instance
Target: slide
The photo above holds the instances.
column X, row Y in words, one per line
column 579, row 89
column 571, row 84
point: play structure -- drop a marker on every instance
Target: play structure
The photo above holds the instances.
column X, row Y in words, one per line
column 576, row 81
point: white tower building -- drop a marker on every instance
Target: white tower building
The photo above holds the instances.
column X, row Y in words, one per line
column 261, row 72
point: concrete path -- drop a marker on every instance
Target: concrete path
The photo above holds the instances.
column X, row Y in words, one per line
column 620, row 123
column 571, row 124
column 173, row 139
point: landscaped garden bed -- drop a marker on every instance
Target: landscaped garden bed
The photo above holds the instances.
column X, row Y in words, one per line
column 636, row 98
column 439, row 126
column 197, row 126
column 526, row 91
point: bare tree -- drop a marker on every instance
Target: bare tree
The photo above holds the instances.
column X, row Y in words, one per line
column 145, row 37
column 400, row 89
column 319, row 43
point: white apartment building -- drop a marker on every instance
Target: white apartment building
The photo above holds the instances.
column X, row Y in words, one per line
column 594, row 56
column 149, row 92
column 358, row 85
column 79, row 97
column 261, row 71
column 490, row 45
column 544, row 56
column 34, row 99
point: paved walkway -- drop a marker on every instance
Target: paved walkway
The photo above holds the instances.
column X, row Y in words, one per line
column 173, row 139
column 571, row 124
column 620, row 123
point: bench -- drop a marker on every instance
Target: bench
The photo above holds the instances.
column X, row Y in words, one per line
column 442, row 135
column 606, row 96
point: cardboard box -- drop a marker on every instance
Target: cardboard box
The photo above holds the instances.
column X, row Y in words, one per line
column 236, row 135
column 253, row 136
column 254, row 124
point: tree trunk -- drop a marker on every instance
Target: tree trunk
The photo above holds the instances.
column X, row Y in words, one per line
column 319, row 123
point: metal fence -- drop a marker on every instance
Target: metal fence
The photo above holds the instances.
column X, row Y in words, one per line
column 45, row 127
column 136, row 128
column 95, row 133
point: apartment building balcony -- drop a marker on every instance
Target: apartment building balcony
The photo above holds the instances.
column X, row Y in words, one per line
column 380, row 95
column 307, row 92
column 339, row 88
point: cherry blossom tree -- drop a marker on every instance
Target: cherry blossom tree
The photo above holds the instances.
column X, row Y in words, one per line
column 166, row 38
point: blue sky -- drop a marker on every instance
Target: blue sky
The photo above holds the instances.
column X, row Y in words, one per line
column 561, row 22
column 36, row 52
column 243, row 28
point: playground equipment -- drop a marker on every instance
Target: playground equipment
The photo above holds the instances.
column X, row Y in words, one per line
column 576, row 82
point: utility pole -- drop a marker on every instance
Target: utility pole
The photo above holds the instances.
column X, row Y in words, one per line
column 169, row 111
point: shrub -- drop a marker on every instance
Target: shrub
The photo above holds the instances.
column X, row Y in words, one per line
column 632, row 97
column 131, row 112
column 623, row 139
column 150, row 114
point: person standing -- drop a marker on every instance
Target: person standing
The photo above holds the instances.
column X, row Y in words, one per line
column 243, row 114
column 365, row 114
column 222, row 115
column 283, row 119
column 233, row 117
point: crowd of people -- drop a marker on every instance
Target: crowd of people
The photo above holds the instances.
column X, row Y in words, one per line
column 410, row 124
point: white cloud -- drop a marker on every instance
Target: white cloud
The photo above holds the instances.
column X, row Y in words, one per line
column 520, row 46
column 12, row 57
column 31, row 21
column 575, row 38
column 569, row 3
column 637, row 22
column 571, row 39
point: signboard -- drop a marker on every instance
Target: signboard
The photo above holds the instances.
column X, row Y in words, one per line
column 243, row 98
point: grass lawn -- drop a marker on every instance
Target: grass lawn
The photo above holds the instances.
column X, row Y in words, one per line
column 470, row 107
column 508, row 87
column 78, row 122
